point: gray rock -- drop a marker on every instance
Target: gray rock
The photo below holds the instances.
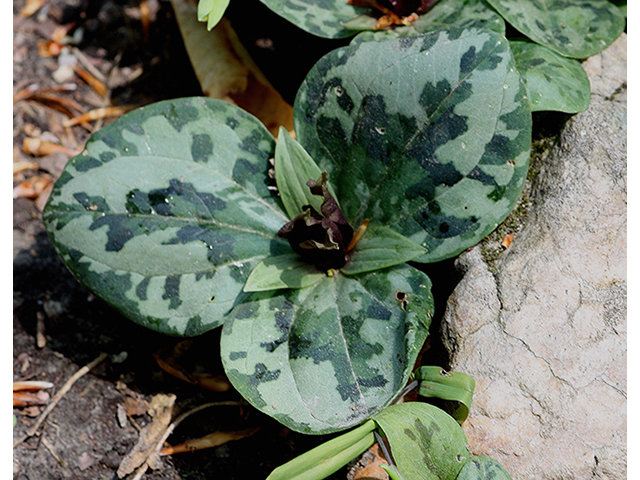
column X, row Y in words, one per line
column 545, row 337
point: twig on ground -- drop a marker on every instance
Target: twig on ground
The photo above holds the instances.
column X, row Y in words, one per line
column 58, row 396
column 141, row 471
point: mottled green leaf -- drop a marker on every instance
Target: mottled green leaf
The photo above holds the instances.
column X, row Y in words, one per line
column 444, row 15
column 381, row 247
column 426, row 443
column 323, row 18
column 293, row 168
column 553, row 82
column 483, row 467
column 167, row 211
column 572, row 28
column 461, row 14
column 282, row 271
column 326, row 357
column 452, row 386
column 428, row 135
column 211, row 11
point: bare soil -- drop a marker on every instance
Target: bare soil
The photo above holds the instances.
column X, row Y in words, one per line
column 84, row 437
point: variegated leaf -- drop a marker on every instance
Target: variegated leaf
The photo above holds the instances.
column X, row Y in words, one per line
column 429, row 135
column 444, row 15
column 166, row 212
column 572, row 28
column 426, row 443
column 323, row 18
column 461, row 14
column 326, row 357
column 553, row 82
column 483, row 467
column 211, row 11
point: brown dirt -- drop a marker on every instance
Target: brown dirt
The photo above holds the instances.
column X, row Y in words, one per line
column 83, row 437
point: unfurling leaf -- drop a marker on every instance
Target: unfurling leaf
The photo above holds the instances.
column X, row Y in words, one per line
column 211, row 11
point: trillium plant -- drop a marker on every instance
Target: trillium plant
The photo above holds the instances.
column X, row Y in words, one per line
column 188, row 215
column 549, row 38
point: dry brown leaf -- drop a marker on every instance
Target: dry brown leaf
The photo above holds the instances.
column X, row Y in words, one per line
column 506, row 241
column 369, row 465
column 31, row 385
column 135, row 406
column 208, row 441
column 62, row 31
column 24, row 399
column 226, row 71
column 144, row 451
column 217, row 383
column 97, row 114
column 32, row 187
column 100, row 88
column 22, row 166
column 62, row 104
column 145, row 18
column 49, row 48
column 33, row 91
column 31, row 7
column 40, row 148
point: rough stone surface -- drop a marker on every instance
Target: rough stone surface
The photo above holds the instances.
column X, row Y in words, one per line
column 545, row 337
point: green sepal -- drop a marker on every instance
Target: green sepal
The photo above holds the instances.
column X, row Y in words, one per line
column 282, row 271
column 294, row 167
column 455, row 386
column 381, row 247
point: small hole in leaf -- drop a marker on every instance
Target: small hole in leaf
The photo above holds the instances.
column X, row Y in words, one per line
column 213, row 297
column 444, row 373
column 400, row 295
column 339, row 91
column 459, row 458
column 381, row 130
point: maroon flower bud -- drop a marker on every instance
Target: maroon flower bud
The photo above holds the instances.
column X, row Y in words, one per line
column 320, row 238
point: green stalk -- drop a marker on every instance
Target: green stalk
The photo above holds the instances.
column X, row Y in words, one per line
column 455, row 386
column 329, row 457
